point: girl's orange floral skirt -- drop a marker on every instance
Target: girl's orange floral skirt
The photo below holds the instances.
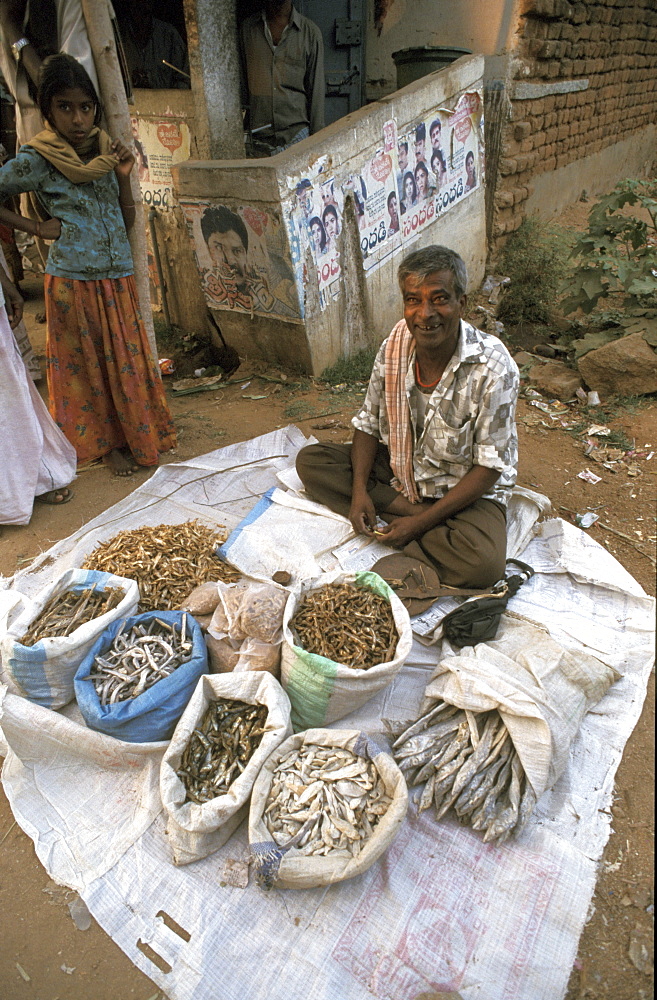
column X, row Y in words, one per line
column 104, row 386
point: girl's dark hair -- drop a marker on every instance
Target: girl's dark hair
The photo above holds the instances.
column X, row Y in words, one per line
column 63, row 72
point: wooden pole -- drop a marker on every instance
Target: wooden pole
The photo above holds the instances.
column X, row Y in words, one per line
column 117, row 115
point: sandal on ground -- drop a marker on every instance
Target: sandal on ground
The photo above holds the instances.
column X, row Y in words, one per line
column 56, row 497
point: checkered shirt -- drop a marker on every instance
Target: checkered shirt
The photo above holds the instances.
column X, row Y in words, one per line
column 470, row 418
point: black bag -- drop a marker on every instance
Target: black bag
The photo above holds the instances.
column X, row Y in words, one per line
column 478, row 620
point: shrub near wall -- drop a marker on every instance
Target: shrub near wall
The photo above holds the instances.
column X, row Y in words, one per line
column 585, row 78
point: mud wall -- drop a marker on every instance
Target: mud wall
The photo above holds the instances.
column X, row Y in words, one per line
column 582, row 105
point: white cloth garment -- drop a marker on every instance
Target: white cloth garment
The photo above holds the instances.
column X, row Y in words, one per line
column 36, row 455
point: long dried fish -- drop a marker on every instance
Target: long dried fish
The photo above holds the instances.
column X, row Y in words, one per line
column 67, row 611
column 220, row 747
column 469, row 764
column 325, row 800
column 347, row 624
column 167, row 561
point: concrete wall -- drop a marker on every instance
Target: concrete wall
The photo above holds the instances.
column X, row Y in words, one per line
column 304, row 294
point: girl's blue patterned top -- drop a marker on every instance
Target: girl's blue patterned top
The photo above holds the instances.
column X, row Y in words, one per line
column 93, row 243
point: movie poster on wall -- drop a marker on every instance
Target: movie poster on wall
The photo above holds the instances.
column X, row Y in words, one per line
column 439, row 163
column 314, row 227
column 416, row 176
column 159, row 143
column 241, row 255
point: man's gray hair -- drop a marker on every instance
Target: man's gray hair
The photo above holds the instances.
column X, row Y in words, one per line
column 422, row 263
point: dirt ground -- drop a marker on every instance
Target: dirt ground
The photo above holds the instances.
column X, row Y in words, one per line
column 45, row 957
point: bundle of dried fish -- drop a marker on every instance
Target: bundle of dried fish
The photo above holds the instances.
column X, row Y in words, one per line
column 468, row 762
column 350, row 625
column 325, row 800
column 167, row 561
column 69, row 610
column 220, row 747
column 139, row 658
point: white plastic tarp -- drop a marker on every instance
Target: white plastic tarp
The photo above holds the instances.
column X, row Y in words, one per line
column 440, row 910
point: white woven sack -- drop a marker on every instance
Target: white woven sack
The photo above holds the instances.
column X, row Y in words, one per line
column 541, row 690
column 194, row 830
column 44, row 672
column 321, row 690
column 285, row 867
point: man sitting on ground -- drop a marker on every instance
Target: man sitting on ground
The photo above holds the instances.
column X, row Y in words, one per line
column 434, row 450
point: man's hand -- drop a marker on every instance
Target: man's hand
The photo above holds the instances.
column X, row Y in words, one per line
column 401, row 531
column 362, row 514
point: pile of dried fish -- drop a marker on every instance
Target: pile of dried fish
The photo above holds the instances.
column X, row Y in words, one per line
column 325, row 800
column 139, row 658
column 220, row 748
column 67, row 611
column 167, row 561
column 347, row 624
column 469, row 763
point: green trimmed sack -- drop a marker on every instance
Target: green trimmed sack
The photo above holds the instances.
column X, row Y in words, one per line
column 321, row 690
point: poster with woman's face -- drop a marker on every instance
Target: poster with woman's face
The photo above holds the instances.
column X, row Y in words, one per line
column 314, row 227
column 417, row 174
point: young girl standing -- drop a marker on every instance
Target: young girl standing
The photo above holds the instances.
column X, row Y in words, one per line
column 104, row 386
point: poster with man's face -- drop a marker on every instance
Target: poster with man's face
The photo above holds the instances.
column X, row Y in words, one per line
column 242, row 257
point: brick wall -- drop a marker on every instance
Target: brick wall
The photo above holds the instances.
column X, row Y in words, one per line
column 584, row 78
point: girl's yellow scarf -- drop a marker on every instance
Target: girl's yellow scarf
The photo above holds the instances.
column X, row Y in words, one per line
column 70, row 161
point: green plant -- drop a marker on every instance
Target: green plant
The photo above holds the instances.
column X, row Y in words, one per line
column 617, row 253
column 356, row 368
column 535, row 258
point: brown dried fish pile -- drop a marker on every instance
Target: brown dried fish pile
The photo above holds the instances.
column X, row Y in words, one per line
column 347, row 624
column 167, row 561
column 67, row 611
column 220, row 748
column 325, row 800
column 138, row 658
column 469, row 764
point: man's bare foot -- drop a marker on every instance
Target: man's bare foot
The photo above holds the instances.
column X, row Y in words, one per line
column 119, row 463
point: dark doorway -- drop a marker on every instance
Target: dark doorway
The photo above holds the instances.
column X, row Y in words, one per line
column 342, row 23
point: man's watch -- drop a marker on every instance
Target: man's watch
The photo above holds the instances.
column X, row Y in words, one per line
column 18, row 46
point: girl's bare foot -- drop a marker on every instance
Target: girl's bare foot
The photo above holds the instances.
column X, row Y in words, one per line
column 119, row 463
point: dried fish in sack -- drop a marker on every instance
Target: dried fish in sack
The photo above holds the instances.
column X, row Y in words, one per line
column 469, row 763
column 220, row 747
column 325, row 800
column 69, row 610
column 167, row 561
column 350, row 625
column 139, row 658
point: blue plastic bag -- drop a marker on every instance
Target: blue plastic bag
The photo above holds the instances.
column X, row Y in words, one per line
column 152, row 715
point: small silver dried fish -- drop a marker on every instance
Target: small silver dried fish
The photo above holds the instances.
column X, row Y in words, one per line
column 220, row 747
column 139, row 658
column 324, row 800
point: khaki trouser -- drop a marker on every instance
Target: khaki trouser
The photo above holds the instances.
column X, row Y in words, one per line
column 467, row 550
